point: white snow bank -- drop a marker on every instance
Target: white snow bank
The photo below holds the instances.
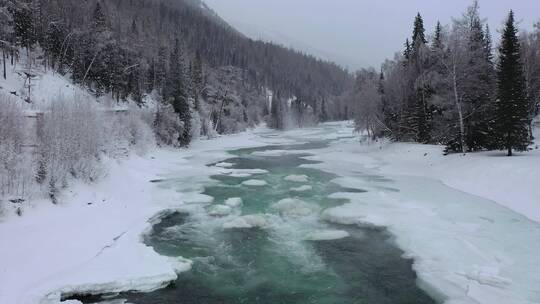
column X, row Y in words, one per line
column 246, row 222
column 297, row 178
column 254, row 183
column 327, row 235
column 91, row 241
column 220, row 210
column 294, row 207
column 303, row 188
column 466, row 249
column 234, row 202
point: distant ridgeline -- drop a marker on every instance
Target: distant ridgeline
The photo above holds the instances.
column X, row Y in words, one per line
column 181, row 52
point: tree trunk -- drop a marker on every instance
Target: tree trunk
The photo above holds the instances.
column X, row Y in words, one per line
column 4, row 60
column 509, row 151
column 460, row 112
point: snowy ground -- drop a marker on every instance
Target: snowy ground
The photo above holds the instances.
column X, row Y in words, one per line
column 470, row 222
column 467, row 247
column 91, row 242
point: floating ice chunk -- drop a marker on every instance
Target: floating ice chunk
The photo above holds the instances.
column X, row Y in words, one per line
column 220, row 210
column 254, row 183
column 234, row 202
column 241, row 175
column 224, row 165
column 246, row 222
column 297, row 178
column 327, row 235
column 248, row 171
column 197, row 198
column 341, row 216
column 335, row 216
column 294, row 207
column 179, row 264
column 302, row 188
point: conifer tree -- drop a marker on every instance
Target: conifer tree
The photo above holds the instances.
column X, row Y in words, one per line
column 407, row 51
column 418, row 106
column 197, row 79
column 419, row 33
column 99, row 21
column 437, row 39
column 512, row 112
column 176, row 93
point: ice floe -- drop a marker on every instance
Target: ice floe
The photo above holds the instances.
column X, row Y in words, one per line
column 234, row 202
column 297, row 178
column 326, row 235
column 224, row 165
column 303, row 188
column 197, row 198
column 254, row 183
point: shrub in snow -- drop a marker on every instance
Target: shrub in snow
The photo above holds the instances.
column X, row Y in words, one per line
column 167, row 125
column 132, row 129
column 70, row 141
column 14, row 164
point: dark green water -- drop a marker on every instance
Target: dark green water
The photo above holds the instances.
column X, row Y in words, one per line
column 277, row 263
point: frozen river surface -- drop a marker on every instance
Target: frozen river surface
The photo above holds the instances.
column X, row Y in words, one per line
column 277, row 227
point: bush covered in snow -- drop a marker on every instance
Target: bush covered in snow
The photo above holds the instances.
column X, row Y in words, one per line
column 41, row 151
column 13, row 163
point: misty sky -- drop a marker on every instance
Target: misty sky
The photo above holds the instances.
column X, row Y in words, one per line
column 357, row 33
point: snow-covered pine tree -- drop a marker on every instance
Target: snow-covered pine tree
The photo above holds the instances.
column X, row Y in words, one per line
column 407, row 50
column 478, row 83
column 176, row 92
column 417, row 109
column 274, row 112
column 6, row 33
column 512, row 107
column 437, row 37
column 197, row 78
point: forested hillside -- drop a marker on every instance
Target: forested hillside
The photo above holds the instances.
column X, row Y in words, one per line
column 126, row 49
column 102, row 78
column 452, row 88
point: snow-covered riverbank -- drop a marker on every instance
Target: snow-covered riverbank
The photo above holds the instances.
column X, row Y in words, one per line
column 472, row 236
column 91, row 241
column 466, row 248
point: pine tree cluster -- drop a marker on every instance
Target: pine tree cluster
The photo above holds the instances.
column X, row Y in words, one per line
column 451, row 91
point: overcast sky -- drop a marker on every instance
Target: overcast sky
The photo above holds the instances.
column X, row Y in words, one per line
column 357, row 33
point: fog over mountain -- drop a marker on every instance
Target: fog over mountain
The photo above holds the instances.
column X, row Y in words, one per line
column 357, row 33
